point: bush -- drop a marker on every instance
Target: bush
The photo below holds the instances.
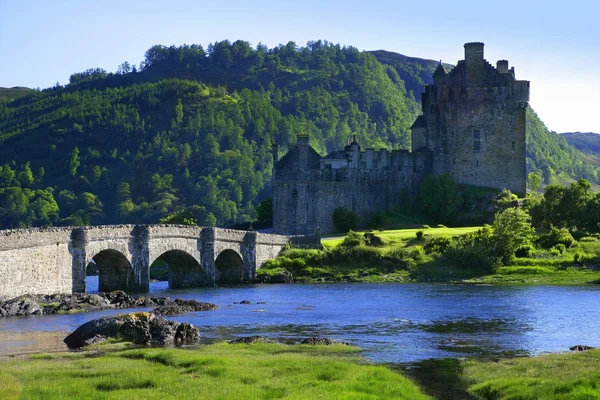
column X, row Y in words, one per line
column 372, row 239
column 353, row 239
column 419, row 235
column 560, row 247
column 556, row 236
column 437, row 244
column 345, row 219
column 525, row 251
column 578, row 257
column 475, row 249
column 377, row 220
column 555, row 252
column 588, row 239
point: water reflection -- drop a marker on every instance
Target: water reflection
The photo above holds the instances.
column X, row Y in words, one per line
column 393, row 323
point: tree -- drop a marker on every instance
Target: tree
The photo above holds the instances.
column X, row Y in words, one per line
column 534, row 181
column 512, row 229
column 74, row 161
column 264, row 209
column 440, row 198
column 344, row 219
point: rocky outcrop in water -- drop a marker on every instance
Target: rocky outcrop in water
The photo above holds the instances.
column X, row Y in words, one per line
column 141, row 328
column 581, row 347
column 83, row 302
column 322, row 341
column 250, row 340
column 180, row 306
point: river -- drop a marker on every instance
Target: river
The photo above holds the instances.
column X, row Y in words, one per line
column 400, row 324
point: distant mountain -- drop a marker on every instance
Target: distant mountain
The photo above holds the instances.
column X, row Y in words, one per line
column 415, row 72
column 9, row 94
column 587, row 142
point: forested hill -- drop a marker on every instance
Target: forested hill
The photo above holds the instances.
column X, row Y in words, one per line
column 187, row 135
column 586, row 142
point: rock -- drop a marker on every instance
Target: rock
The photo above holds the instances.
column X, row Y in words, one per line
column 22, row 305
column 245, row 302
column 141, row 328
column 581, row 347
column 250, row 340
column 83, row 302
column 262, row 278
column 322, row 341
column 284, row 277
column 180, row 306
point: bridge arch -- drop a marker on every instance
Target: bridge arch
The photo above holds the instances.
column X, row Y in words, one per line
column 115, row 271
column 184, row 269
column 229, row 267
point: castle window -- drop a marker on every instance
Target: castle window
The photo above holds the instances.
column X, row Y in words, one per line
column 513, row 145
column 478, row 163
column 363, row 164
column 476, row 141
column 455, row 161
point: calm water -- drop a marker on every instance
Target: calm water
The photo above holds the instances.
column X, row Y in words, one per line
column 393, row 323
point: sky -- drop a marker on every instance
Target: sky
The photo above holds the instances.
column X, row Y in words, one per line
column 555, row 45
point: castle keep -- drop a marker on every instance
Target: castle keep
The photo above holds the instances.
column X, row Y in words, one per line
column 472, row 126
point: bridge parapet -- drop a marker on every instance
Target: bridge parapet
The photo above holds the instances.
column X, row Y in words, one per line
column 54, row 260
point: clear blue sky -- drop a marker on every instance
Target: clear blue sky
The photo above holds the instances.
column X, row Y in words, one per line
column 556, row 47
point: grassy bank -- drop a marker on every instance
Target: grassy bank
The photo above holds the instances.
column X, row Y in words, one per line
column 220, row 371
column 407, row 256
column 554, row 376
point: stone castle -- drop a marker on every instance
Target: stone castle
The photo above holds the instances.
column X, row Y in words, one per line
column 472, row 126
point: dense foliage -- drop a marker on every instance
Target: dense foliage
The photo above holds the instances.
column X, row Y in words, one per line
column 188, row 127
column 186, row 135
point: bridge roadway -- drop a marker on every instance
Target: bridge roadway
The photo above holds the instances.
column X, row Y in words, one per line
column 54, row 260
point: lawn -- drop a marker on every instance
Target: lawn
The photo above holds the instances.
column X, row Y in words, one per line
column 219, row 371
column 549, row 377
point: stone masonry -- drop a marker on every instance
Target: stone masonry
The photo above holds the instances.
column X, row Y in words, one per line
column 54, row 260
column 472, row 127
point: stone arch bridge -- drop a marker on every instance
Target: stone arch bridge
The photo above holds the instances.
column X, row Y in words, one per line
column 54, row 260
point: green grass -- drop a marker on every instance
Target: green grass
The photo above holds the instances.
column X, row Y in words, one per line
column 401, row 258
column 220, row 371
column 554, row 376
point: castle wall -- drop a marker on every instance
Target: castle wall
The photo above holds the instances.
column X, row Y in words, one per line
column 302, row 205
column 35, row 260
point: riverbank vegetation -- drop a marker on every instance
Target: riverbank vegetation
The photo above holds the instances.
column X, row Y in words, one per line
column 552, row 376
column 552, row 239
column 223, row 371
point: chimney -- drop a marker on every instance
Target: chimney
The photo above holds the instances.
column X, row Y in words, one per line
column 302, row 144
column 502, row 66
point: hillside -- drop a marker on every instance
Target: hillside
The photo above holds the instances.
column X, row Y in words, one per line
column 187, row 135
column 10, row 94
column 586, row 142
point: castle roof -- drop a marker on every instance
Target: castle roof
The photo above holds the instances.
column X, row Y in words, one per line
column 336, row 155
column 292, row 159
column 440, row 70
column 420, row 122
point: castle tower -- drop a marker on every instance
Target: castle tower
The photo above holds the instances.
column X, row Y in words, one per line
column 474, row 121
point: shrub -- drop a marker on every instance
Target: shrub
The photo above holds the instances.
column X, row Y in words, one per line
column 525, row 251
column 377, row 220
column 588, row 239
column 419, row 235
column 554, row 252
column 345, row 219
column 556, row 236
column 372, row 239
column 578, row 257
column 561, row 248
column 475, row 249
column 436, row 244
column 353, row 239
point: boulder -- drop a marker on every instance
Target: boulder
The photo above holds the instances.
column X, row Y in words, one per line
column 322, row 341
column 180, row 306
column 581, row 347
column 250, row 340
column 283, row 277
column 141, row 328
column 22, row 305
